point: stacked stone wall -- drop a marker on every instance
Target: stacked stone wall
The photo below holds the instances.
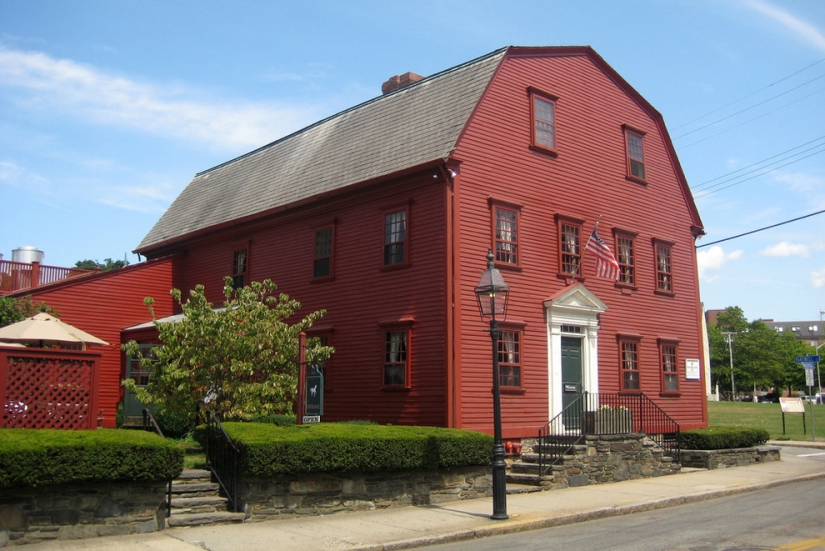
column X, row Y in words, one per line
column 736, row 457
column 612, row 458
column 325, row 494
column 49, row 513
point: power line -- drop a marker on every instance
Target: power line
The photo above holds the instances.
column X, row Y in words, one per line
column 749, row 95
column 759, row 230
column 760, row 174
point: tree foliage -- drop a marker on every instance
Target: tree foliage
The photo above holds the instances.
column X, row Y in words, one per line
column 105, row 266
column 239, row 361
column 13, row 309
column 762, row 358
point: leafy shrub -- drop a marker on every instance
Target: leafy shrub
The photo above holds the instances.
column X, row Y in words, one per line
column 268, row 451
column 51, row 457
column 721, row 438
column 174, row 425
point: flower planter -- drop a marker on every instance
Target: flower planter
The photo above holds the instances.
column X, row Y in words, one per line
column 610, row 421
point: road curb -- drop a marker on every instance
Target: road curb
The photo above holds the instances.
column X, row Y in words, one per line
column 514, row 526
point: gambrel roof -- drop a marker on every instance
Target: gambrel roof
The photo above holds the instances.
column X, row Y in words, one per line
column 412, row 127
column 406, row 128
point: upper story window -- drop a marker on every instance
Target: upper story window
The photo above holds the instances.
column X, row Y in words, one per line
column 634, row 140
column 505, row 233
column 670, row 374
column 395, row 237
column 509, row 359
column 543, row 115
column 569, row 246
column 664, row 266
column 626, row 257
column 239, row 264
column 629, row 358
column 322, row 261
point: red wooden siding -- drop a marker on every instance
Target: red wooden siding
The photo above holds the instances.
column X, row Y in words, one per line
column 585, row 180
column 103, row 304
column 361, row 297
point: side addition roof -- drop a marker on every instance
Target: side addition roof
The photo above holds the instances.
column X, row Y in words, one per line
column 389, row 134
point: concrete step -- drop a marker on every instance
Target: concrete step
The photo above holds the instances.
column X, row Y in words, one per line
column 195, row 475
column 205, row 519
column 522, row 488
column 515, row 480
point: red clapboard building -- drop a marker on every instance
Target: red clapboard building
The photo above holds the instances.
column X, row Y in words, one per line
column 384, row 213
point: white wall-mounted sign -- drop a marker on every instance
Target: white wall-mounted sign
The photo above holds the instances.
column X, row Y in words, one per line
column 692, row 369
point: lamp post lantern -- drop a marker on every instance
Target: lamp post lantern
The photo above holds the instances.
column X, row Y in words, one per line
column 492, row 294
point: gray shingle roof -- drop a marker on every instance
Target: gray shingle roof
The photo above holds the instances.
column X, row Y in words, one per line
column 407, row 128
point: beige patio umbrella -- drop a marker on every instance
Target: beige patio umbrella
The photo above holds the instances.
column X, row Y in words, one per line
column 45, row 329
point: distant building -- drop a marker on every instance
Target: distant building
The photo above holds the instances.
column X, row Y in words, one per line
column 812, row 332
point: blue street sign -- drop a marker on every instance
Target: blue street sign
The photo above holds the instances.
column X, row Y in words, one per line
column 809, row 365
column 806, row 359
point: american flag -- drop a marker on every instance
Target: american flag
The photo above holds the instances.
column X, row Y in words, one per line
column 606, row 265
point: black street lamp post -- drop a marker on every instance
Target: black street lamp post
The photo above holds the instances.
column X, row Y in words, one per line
column 492, row 295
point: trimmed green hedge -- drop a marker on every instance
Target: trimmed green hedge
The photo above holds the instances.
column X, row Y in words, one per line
column 722, row 438
column 268, row 451
column 52, row 457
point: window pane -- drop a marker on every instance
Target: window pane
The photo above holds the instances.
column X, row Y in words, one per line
column 323, row 253
column 239, row 269
column 395, row 357
column 663, row 268
column 395, row 235
column 669, row 373
column 509, row 358
column 635, row 152
column 626, row 261
column 630, row 366
column 545, row 122
column 506, row 236
column 569, row 249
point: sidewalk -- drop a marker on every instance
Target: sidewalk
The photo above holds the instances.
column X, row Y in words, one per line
column 409, row 527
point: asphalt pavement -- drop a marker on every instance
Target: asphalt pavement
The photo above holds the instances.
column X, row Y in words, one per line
column 411, row 527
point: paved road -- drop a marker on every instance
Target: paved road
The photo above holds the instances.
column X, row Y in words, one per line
column 791, row 515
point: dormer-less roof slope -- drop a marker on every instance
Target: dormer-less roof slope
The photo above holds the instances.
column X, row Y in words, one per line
column 411, row 127
column 404, row 129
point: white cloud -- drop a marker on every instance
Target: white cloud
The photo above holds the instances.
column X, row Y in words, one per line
column 799, row 28
column 85, row 92
column 14, row 175
column 714, row 258
column 787, row 249
column 818, row 278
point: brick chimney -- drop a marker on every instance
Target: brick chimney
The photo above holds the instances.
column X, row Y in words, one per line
column 400, row 81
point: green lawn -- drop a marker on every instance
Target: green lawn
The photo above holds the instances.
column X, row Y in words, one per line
column 768, row 417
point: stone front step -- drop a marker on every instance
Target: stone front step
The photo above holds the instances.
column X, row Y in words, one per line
column 198, row 489
column 521, row 488
column 204, row 519
column 189, row 505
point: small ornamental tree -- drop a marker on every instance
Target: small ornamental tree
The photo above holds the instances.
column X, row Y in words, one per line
column 239, row 361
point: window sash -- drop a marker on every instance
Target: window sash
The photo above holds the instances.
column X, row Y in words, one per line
column 395, row 237
column 627, row 261
column 544, row 114
column 570, row 248
column 395, row 358
column 509, row 359
column 630, row 365
column 506, row 236
column 670, row 375
column 664, row 276
column 322, row 262
column 239, row 269
column 635, row 155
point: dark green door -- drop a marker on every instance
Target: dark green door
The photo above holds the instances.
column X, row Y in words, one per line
column 571, row 379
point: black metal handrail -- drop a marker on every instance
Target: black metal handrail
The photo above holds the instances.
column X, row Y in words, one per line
column 149, row 424
column 223, row 459
column 603, row 413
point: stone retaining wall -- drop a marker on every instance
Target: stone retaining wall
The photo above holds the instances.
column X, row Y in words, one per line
column 612, row 458
column 32, row 515
column 324, row 494
column 737, row 457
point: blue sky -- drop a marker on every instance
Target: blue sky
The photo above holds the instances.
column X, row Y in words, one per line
column 107, row 109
